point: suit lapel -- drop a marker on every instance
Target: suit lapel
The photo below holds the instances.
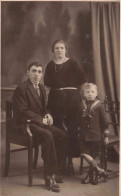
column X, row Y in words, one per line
column 43, row 95
column 34, row 94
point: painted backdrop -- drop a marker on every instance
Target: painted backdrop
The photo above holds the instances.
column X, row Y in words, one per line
column 29, row 28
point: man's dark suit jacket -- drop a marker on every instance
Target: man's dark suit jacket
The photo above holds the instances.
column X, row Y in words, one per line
column 28, row 105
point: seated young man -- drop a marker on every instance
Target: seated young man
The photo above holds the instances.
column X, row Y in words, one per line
column 29, row 103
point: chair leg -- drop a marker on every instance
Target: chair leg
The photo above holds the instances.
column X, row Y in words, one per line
column 36, row 151
column 70, row 161
column 102, row 157
column 30, row 162
column 81, row 165
column 105, row 158
column 7, row 159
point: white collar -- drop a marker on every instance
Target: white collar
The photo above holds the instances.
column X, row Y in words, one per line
column 92, row 106
column 35, row 85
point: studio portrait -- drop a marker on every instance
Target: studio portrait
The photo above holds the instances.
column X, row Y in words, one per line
column 60, row 98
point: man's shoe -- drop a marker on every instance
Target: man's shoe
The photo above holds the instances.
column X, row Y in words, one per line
column 50, row 182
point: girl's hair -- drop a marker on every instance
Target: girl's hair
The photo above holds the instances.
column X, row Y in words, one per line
column 58, row 41
column 87, row 86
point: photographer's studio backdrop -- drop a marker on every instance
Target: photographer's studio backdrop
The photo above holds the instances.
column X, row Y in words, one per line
column 91, row 30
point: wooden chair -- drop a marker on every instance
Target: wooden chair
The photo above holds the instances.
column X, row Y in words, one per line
column 111, row 138
column 14, row 137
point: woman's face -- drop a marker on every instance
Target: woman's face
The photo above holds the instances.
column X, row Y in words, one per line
column 59, row 50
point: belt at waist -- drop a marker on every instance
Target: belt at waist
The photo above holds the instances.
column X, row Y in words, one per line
column 66, row 88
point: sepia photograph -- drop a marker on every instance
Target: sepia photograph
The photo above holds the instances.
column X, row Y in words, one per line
column 60, row 98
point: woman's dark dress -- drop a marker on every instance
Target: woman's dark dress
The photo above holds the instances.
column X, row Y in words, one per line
column 65, row 103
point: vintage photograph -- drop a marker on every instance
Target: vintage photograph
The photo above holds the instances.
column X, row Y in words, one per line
column 60, row 98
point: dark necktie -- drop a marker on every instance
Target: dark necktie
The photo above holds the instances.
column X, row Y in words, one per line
column 37, row 89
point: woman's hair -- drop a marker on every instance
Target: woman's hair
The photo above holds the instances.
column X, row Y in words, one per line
column 58, row 41
column 86, row 86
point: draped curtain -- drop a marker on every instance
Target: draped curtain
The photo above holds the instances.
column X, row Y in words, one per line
column 106, row 48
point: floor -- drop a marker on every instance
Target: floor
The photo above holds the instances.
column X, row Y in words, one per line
column 17, row 182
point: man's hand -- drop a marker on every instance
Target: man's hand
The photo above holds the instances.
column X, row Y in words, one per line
column 45, row 121
column 49, row 119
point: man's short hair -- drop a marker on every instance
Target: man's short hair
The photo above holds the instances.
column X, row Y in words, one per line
column 37, row 64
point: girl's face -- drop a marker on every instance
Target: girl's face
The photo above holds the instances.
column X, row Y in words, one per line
column 59, row 50
column 90, row 94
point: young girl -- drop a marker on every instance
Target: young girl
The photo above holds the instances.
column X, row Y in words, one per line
column 92, row 126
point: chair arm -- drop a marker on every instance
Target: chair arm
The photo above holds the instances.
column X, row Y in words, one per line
column 28, row 128
column 113, row 140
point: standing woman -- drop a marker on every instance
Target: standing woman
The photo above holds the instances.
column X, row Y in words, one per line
column 64, row 76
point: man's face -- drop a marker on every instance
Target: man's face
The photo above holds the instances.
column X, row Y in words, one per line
column 35, row 74
column 90, row 93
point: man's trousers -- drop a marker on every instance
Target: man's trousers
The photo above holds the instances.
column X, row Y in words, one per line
column 54, row 143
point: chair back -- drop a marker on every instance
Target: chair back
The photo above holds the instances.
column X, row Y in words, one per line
column 9, row 117
column 112, row 112
column 15, row 134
